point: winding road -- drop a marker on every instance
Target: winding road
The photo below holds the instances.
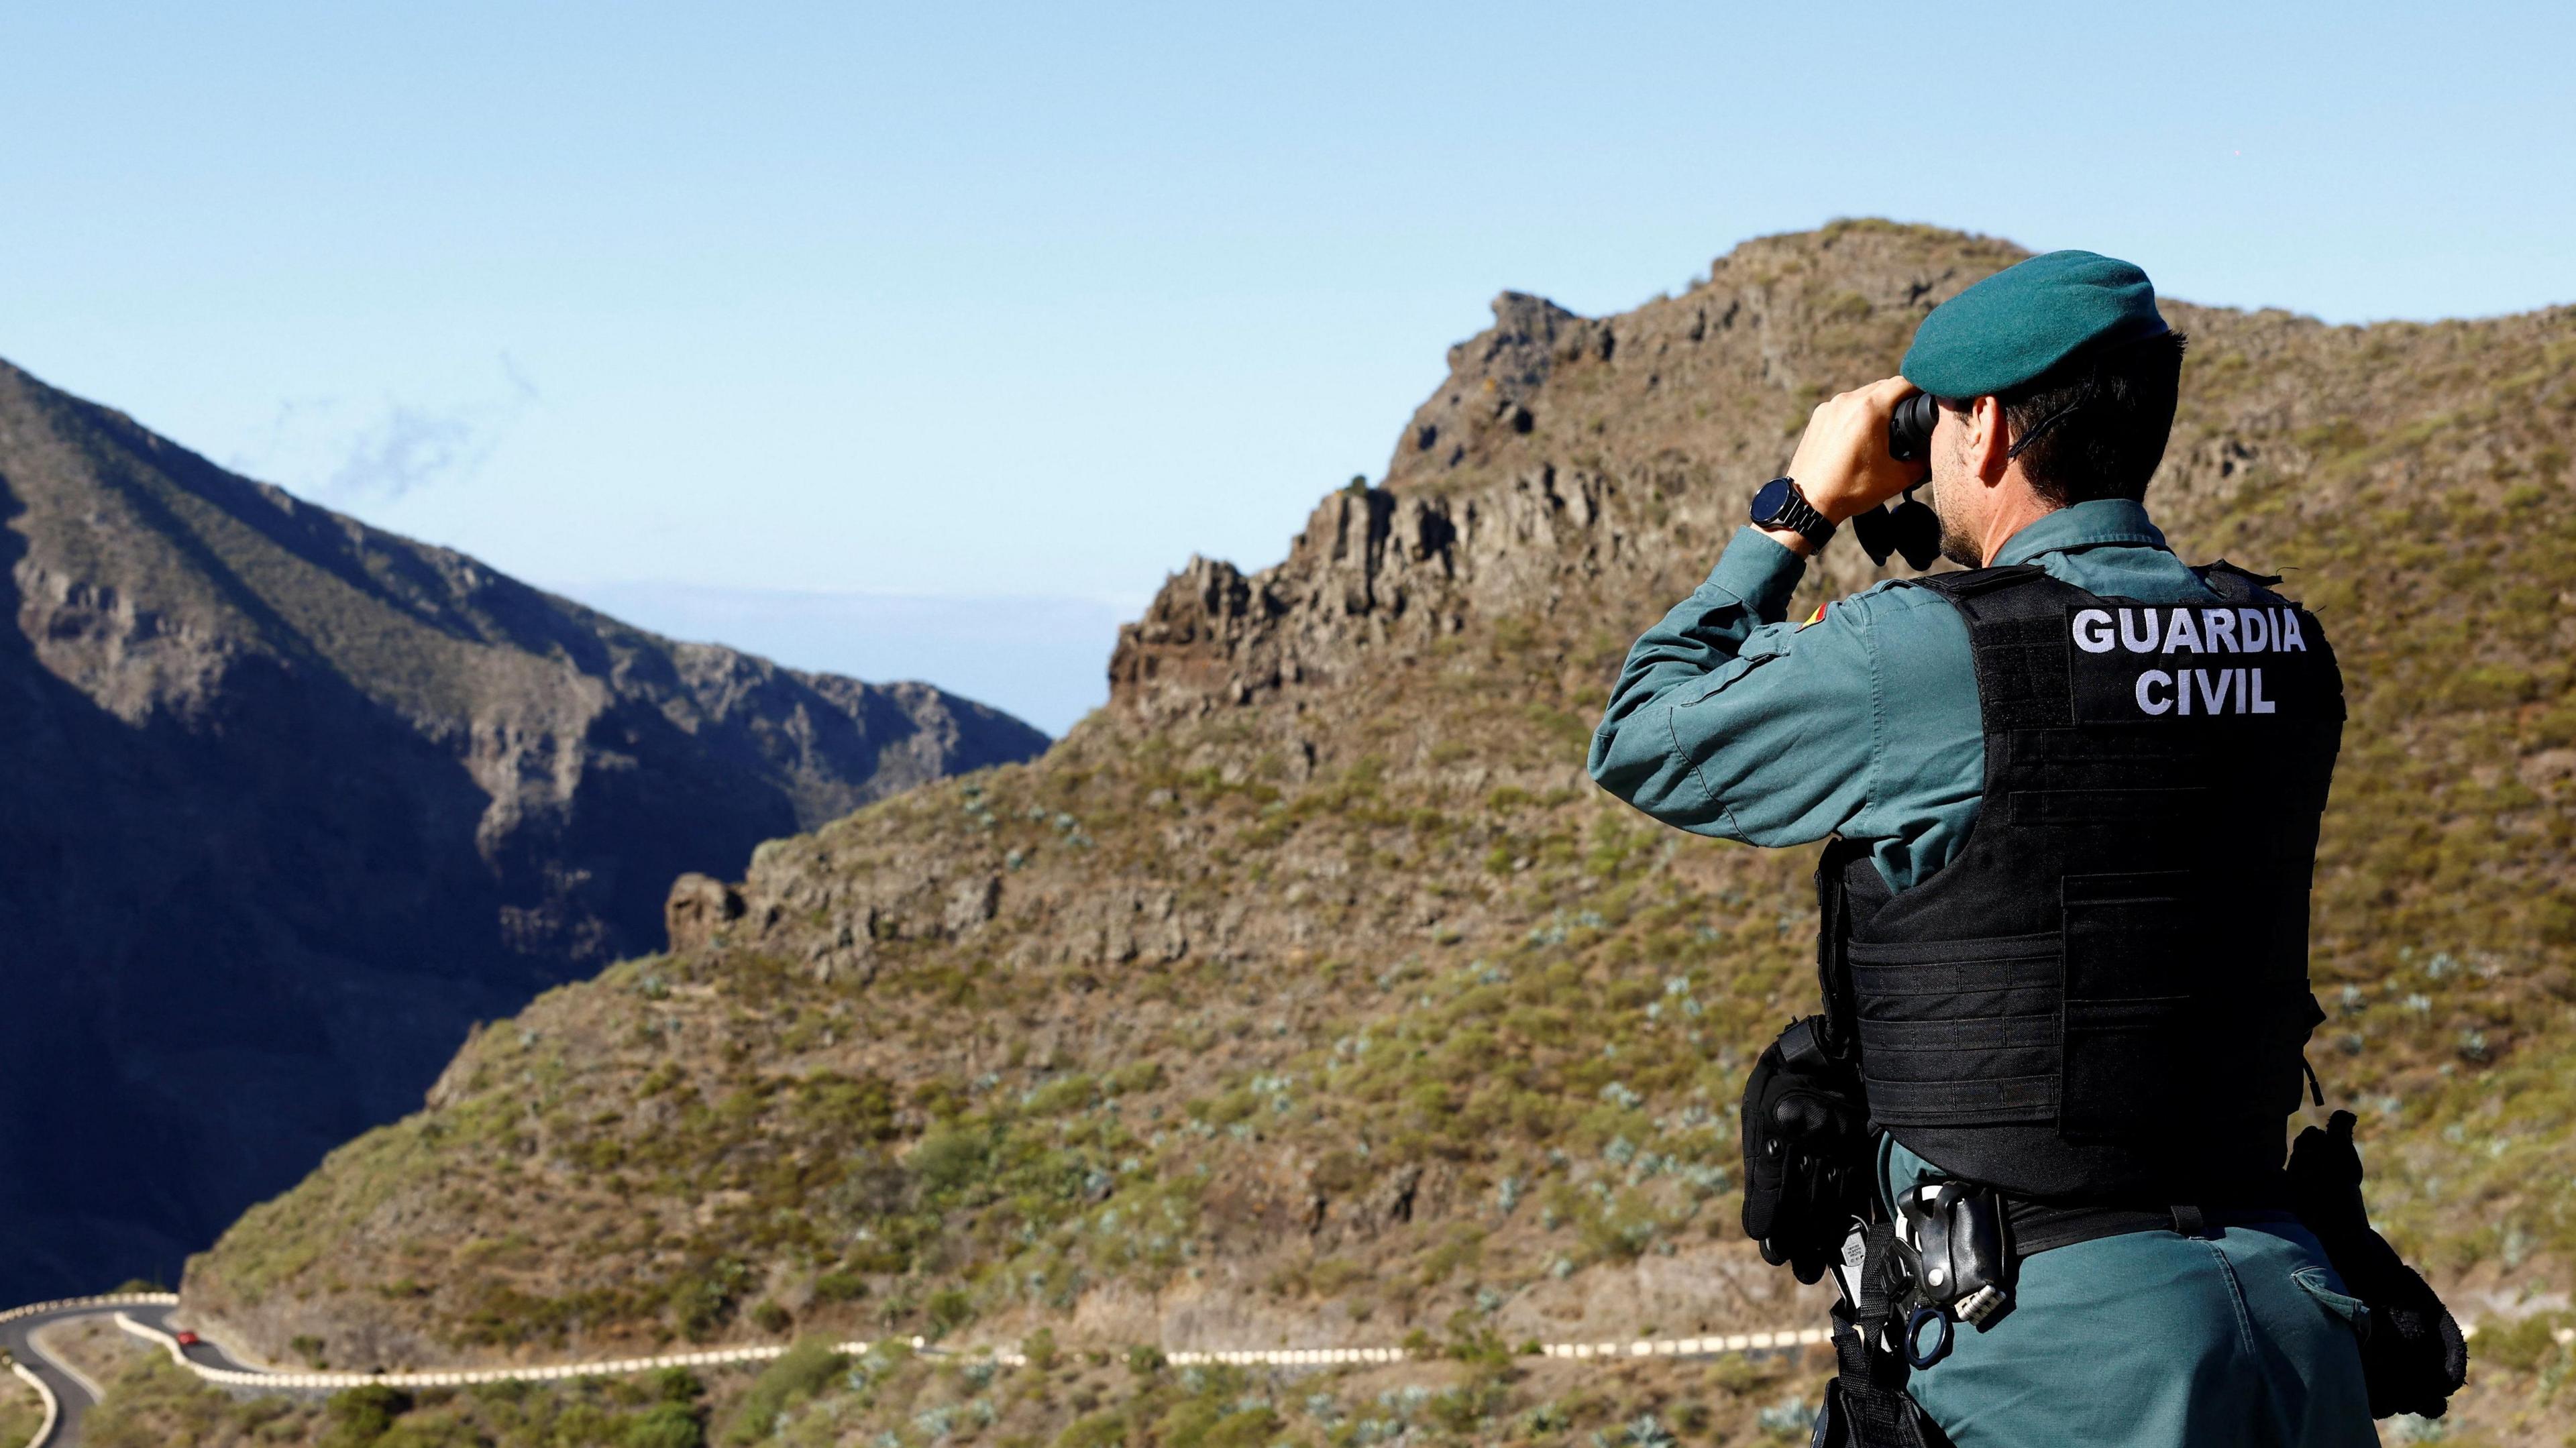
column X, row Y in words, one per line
column 71, row 1394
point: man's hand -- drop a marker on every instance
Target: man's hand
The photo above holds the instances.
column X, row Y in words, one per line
column 1842, row 463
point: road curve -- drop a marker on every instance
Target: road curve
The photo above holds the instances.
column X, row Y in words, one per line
column 156, row 1316
column 71, row 1391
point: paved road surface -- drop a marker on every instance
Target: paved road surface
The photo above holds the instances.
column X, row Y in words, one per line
column 17, row 1337
column 205, row 1353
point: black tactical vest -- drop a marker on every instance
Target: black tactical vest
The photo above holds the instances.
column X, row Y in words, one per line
column 2104, row 997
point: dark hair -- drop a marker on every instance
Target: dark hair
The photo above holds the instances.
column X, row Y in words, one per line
column 2095, row 426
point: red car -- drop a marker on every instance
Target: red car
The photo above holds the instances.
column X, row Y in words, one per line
column 187, row 1338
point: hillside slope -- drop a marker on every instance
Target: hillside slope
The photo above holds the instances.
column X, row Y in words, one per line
column 1310, row 995
column 290, row 802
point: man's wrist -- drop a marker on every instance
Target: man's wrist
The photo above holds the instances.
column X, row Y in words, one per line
column 1795, row 542
column 1781, row 508
column 1836, row 508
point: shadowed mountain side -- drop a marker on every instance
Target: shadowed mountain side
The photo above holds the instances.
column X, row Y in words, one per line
column 290, row 802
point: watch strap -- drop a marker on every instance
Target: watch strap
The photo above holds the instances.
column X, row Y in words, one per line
column 1796, row 514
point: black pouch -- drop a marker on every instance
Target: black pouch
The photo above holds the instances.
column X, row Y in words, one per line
column 2413, row 1357
column 1806, row 1151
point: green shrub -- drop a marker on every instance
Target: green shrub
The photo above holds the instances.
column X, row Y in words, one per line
column 2522, row 1346
column 1056, row 1098
column 1187, row 1424
column 798, row 1375
column 360, row 1416
column 1233, row 1106
column 665, row 1425
column 838, row 1286
column 1249, row 1429
column 677, row 1385
column 438, row 1430
column 950, row 1309
column 948, row 1159
column 1100, row 1430
column 705, row 1301
column 1330, row 1277
column 1146, row 1075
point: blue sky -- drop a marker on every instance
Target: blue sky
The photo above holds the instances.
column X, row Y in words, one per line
column 923, row 341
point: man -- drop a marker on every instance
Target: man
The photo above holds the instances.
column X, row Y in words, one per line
column 2073, row 797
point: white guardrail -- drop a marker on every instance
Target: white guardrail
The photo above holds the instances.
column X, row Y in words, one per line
column 1635, row 1348
column 612, row 1367
column 109, row 1299
column 53, row 1406
column 461, row 1377
column 714, row 1357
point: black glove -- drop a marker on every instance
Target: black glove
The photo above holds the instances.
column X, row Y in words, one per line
column 2413, row 1359
column 1806, row 1151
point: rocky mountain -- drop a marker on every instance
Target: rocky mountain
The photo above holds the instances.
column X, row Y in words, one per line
column 289, row 803
column 1309, row 995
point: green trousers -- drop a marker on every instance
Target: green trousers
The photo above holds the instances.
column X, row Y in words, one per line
column 2240, row 1339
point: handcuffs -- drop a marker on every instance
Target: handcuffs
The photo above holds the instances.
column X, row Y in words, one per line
column 1953, row 1263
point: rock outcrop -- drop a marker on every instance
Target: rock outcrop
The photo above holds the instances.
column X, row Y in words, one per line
column 1555, row 443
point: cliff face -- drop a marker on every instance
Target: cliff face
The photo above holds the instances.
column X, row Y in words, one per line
column 1310, row 996
column 289, row 802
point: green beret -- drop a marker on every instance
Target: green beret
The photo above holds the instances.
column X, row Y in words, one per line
column 2023, row 320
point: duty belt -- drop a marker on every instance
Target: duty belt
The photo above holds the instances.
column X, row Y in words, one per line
column 1953, row 1254
column 2037, row 1227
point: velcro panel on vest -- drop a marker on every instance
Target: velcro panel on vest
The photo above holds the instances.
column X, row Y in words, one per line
column 2134, row 974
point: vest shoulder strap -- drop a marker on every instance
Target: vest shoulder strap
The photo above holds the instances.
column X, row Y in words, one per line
column 2231, row 583
column 2238, row 585
column 2016, row 618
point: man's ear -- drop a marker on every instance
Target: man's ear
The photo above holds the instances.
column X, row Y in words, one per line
column 1988, row 450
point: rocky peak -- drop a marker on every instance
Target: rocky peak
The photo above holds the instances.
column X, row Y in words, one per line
column 1511, row 483
column 1495, row 377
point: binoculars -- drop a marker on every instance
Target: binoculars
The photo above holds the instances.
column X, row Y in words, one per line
column 1909, row 428
column 1910, row 528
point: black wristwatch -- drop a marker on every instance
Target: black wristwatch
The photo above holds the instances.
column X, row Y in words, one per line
column 1780, row 505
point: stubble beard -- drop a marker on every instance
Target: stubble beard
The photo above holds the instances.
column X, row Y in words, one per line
column 1956, row 544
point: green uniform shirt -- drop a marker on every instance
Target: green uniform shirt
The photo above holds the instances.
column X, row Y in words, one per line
column 1729, row 721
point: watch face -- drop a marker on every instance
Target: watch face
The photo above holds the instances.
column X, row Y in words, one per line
column 1772, row 501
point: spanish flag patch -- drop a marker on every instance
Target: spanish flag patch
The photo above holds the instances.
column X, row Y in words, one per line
column 1815, row 618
